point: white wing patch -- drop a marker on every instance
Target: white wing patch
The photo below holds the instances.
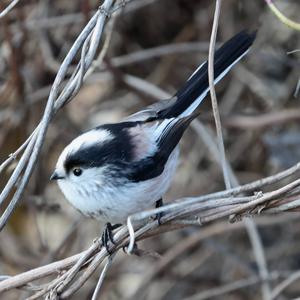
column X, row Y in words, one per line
column 197, row 70
column 162, row 127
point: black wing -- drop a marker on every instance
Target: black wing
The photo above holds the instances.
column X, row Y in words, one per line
column 196, row 87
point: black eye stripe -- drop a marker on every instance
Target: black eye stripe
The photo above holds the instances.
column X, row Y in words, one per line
column 98, row 154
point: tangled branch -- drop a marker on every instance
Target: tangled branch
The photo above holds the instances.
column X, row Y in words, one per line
column 75, row 270
column 87, row 42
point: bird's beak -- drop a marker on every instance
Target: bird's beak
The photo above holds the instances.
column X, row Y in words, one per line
column 56, row 176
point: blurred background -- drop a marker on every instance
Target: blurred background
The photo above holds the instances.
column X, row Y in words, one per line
column 260, row 113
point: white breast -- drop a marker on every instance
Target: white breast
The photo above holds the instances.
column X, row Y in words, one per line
column 115, row 204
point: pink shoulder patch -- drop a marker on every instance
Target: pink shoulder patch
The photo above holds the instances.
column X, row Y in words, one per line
column 143, row 141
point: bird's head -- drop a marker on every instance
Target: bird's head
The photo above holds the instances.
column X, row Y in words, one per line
column 83, row 162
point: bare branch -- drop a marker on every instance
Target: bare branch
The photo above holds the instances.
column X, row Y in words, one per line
column 284, row 284
column 89, row 40
column 9, row 7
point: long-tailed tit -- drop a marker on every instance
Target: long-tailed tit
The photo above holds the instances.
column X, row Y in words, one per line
column 115, row 170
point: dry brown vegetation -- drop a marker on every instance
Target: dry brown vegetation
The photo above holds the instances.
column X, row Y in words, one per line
column 147, row 51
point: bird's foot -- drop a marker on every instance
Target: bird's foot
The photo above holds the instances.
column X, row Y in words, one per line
column 159, row 203
column 107, row 236
column 134, row 249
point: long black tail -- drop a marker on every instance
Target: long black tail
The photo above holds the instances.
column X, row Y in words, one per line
column 195, row 89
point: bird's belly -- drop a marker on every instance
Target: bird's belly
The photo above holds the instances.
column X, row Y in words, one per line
column 115, row 203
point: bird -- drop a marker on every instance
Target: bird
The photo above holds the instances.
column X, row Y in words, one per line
column 115, row 170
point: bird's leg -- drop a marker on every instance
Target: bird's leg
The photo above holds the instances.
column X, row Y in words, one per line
column 107, row 235
column 159, row 203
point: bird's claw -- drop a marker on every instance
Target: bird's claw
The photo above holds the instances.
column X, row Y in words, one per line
column 158, row 216
column 107, row 236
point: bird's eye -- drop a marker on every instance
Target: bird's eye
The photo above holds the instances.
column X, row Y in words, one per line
column 77, row 171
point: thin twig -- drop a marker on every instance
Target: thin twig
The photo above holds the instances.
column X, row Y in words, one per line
column 231, row 287
column 102, row 276
column 9, row 8
column 260, row 257
column 229, row 180
column 214, row 102
column 284, row 284
column 288, row 22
